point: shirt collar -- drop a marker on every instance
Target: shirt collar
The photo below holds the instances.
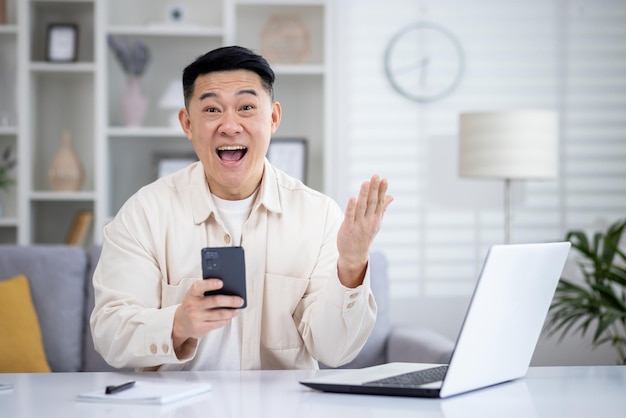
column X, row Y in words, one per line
column 203, row 205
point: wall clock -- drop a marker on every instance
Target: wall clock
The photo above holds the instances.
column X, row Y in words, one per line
column 424, row 61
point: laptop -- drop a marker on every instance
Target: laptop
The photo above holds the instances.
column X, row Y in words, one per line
column 497, row 339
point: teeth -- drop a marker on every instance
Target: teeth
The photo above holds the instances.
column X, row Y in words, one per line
column 231, row 148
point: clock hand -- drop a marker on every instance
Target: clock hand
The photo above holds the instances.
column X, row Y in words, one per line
column 424, row 63
column 411, row 66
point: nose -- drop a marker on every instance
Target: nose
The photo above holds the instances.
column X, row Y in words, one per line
column 230, row 123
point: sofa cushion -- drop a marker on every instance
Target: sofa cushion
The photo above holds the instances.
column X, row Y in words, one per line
column 92, row 361
column 21, row 345
column 57, row 282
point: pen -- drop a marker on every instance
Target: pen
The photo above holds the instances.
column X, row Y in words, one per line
column 114, row 389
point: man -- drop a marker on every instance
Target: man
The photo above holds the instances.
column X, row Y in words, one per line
column 307, row 271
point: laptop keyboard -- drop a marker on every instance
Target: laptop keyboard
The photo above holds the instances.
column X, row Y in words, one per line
column 412, row 379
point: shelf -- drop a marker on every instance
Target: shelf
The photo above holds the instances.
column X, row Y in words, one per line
column 62, row 1
column 8, row 30
column 8, row 222
column 166, row 30
column 71, row 67
column 8, row 130
column 62, row 196
column 280, row 2
column 145, row 132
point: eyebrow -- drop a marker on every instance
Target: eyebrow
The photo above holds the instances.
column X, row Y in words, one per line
column 239, row 93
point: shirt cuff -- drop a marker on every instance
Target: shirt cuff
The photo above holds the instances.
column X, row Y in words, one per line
column 158, row 341
column 350, row 298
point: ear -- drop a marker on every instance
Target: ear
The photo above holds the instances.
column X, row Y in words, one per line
column 185, row 122
column 277, row 113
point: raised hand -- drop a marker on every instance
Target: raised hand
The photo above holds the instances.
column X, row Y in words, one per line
column 362, row 221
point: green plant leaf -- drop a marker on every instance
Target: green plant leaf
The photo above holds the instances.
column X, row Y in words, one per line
column 608, row 298
column 597, row 303
column 617, row 275
column 579, row 242
column 603, row 326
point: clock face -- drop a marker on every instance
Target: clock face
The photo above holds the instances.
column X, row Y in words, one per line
column 424, row 62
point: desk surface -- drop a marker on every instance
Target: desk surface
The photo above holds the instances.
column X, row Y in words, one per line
column 545, row 392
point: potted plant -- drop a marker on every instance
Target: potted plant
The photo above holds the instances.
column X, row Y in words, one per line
column 597, row 303
column 7, row 163
column 133, row 56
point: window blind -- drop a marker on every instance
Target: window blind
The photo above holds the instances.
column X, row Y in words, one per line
column 567, row 56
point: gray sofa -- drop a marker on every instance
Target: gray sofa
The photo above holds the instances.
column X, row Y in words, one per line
column 389, row 343
column 60, row 281
column 60, row 285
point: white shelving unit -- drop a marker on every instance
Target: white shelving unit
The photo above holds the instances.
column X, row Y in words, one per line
column 85, row 96
column 9, row 132
column 54, row 96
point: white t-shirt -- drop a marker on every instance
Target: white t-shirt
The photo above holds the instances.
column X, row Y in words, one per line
column 224, row 344
column 234, row 213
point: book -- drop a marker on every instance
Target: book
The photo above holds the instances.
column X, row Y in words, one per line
column 79, row 229
column 148, row 392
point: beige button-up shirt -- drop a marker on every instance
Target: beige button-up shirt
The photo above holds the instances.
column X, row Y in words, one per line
column 298, row 311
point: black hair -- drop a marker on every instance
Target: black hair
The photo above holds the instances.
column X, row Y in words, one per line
column 227, row 58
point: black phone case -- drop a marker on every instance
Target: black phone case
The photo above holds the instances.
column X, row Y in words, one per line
column 227, row 264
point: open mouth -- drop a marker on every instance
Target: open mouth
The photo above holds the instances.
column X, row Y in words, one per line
column 231, row 153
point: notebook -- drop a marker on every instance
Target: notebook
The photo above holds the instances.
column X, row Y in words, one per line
column 149, row 392
column 498, row 336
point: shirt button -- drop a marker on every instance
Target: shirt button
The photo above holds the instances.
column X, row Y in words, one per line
column 165, row 348
column 354, row 295
column 227, row 239
column 153, row 348
column 350, row 305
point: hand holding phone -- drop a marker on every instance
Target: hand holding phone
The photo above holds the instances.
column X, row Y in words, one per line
column 227, row 264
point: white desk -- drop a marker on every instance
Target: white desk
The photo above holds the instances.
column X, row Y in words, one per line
column 545, row 392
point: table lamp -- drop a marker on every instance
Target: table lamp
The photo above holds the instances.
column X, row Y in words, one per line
column 509, row 145
column 172, row 100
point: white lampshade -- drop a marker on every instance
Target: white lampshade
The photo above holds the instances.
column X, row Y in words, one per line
column 509, row 144
column 173, row 100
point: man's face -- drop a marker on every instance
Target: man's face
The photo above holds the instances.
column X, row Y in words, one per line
column 230, row 120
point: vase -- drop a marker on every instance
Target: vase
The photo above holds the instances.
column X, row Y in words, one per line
column 134, row 103
column 66, row 172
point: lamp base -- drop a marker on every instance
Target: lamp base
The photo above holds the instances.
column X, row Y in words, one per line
column 173, row 121
column 508, row 197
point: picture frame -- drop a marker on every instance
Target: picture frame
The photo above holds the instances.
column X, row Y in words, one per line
column 167, row 163
column 290, row 155
column 62, row 42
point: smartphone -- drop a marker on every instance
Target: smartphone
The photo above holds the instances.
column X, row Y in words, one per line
column 227, row 264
